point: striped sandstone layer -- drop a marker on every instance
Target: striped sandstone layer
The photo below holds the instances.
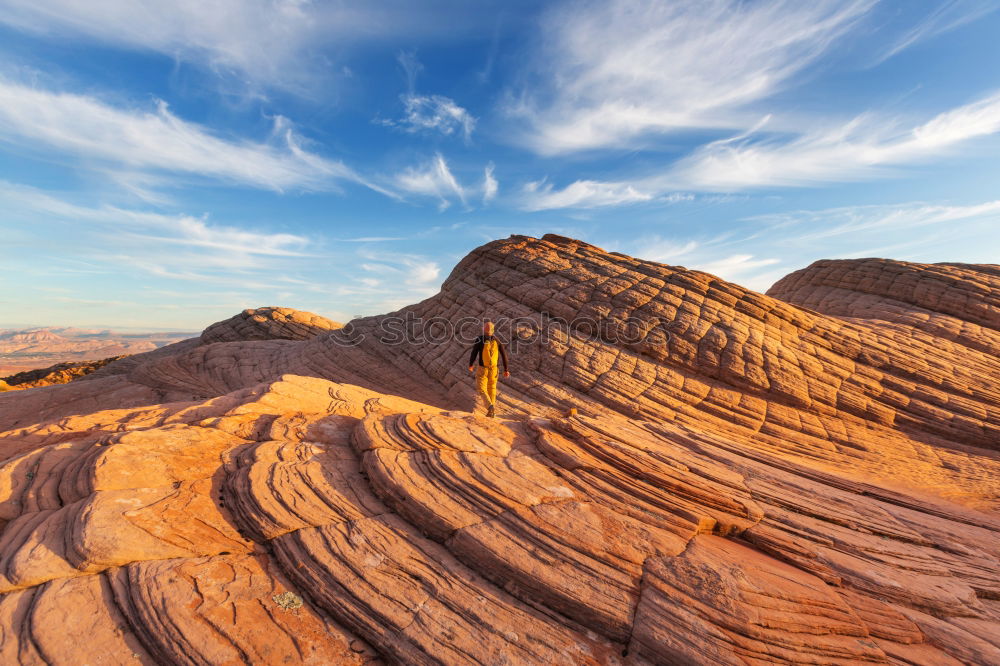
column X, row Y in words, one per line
column 810, row 476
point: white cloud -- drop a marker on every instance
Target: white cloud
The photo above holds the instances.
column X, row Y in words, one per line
column 966, row 122
column 434, row 113
column 742, row 268
column 196, row 232
column 733, row 266
column 490, row 184
column 864, row 147
column 708, row 255
column 858, row 149
column 946, row 16
column 158, row 141
column 143, row 249
column 661, row 250
column 756, row 251
column 255, row 38
column 428, row 113
column 411, row 67
column 148, row 236
column 413, row 277
column 282, row 43
column 433, row 179
column 424, row 272
column 371, row 239
column 862, row 221
column 614, row 71
column 580, row 194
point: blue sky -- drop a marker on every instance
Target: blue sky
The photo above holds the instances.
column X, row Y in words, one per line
column 167, row 163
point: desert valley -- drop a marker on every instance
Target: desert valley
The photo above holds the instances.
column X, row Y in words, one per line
column 34, row 348
column 806, row 476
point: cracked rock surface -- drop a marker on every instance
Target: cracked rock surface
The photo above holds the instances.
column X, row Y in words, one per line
column 806, row 477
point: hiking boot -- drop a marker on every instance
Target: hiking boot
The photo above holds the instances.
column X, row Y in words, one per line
column 491, row 412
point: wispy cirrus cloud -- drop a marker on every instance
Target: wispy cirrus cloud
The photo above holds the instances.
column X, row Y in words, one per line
column 259, row 41
column 732, row 267
column 175, row 240
column 196, row 232
column 867, row 220
column 716, row 64
column 865, row 146
column 665, row 250
column 157, row 141
column 432, row 179
column 144, row 248
column 276, row 43
column 428, row 113
column 407, row 276
column 711, row 255
column 417, row 269
column 757, row 250
column 946, row 16
column 136, row 251
column 490, row 184
column 539, row 195
column 434, row 113
column 661, row 67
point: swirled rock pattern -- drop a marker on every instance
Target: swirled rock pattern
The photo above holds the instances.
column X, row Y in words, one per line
column 682, row 471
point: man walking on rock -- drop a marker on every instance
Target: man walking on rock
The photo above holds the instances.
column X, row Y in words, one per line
column 488, row 350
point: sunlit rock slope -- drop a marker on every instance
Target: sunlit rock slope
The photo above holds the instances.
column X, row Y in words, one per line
column 810, row 476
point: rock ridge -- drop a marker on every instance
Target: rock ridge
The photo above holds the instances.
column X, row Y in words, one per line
column 800, row 477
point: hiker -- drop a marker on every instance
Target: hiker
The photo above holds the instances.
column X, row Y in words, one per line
column 489, row 350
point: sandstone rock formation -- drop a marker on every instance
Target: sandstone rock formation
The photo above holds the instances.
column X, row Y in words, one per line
column 268, row 324
column 60, row 373
column 807, row 477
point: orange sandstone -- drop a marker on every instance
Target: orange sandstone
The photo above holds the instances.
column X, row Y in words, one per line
column 810, row 476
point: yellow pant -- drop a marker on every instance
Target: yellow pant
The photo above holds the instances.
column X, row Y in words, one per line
column 486, row 383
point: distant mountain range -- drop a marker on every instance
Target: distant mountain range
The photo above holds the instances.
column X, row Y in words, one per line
column 28, row 348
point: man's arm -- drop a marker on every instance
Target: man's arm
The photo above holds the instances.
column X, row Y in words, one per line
column 503, row 355
column 476, row 349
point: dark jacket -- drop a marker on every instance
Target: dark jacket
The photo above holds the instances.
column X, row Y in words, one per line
column 477, row 351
